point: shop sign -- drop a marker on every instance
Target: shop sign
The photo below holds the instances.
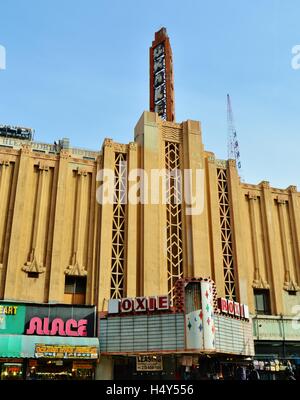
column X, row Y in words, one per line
column 65, row 351
column 233, row 308
column 187, row 361
column 8, row 310
column 60, row 320
column 149, row 363
column 81, row 365
column 12, row 318
column 138, row 304
column 39, row 326
column 4, row 311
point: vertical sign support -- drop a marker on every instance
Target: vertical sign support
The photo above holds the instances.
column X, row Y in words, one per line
column 161, row 77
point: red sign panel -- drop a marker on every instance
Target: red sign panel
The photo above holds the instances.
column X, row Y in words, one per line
column 233, row 308
column 71, row 327
column 139, row 304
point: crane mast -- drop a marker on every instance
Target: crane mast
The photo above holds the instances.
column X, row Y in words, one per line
column 233, row 144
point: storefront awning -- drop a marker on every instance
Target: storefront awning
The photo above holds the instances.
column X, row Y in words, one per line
column 10, row 346
column 22, row 346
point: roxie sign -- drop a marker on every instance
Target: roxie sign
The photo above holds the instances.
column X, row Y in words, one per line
column 233, row 308
column 138, row 304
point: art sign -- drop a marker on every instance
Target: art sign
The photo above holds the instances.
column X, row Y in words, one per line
column 12, row 317
column 8, row 309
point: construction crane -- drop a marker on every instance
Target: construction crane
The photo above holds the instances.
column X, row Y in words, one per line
column 233, row 144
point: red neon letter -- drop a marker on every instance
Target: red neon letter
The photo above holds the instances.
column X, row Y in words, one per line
column 126, row 305
column 223, row 305
column 57, row 326
column 152, row 303
column 71, row 323
column 163, row 303
column 237, row 309
column 35, row 324
column 46, row 326
column 140, row 304
column 82, row 323
column 242, row 310
column 230, row 307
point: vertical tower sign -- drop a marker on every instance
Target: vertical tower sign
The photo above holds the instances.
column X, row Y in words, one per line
column 161, row 77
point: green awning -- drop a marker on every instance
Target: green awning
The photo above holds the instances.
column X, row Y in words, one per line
column 22, row 346
column 10, row 346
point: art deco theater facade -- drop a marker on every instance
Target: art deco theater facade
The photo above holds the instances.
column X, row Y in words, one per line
column 143, row 277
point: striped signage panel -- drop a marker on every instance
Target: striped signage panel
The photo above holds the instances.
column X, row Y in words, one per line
column 142, row 333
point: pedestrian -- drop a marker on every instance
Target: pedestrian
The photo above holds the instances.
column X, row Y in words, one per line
column 289, row 374
column 253, row 375
column 240, row 373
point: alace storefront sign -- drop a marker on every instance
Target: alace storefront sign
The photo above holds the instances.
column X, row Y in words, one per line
column 233, row 308
column 39, row 326
column 65, row 351
column 60, row 320
column 138, row 304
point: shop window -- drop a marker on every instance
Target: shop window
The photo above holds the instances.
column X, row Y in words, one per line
column 11, row 371
column 75, row 289
column 262, row 301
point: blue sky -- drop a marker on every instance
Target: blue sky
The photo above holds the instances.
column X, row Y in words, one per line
column 79, row 69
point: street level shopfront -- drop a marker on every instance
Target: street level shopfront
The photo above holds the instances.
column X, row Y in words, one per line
column 195, row 337
column 277, row 346
column 273, row 359
column 39, row 341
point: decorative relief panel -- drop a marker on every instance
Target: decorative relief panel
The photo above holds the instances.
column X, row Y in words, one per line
column 34, row 263
column 117, row 289
column 171, row 134
column 6, row 173
column 289, row 283
column 174, row 217
column 226, row 235
column 120, row 147
column 258, row 281
column 221, row 163
column 76, row 267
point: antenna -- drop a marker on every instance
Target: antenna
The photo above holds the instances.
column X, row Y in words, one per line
column 233, row 144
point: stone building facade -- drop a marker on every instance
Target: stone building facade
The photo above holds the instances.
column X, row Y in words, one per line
column 245, row 238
